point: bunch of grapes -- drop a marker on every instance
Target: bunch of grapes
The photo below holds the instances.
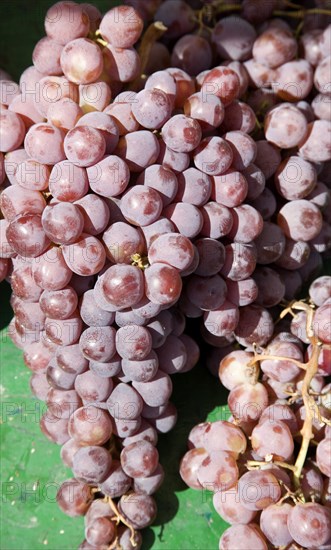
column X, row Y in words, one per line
column 147, row 178
column 269, row 465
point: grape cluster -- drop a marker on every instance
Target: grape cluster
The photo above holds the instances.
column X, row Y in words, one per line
column 269, row 465
column 147, row 178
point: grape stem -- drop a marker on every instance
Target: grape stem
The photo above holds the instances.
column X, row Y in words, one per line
column 119, row 518
column 266, row 357
column 252, row 464
column 300, row 14
column 139, row 261
column 151, row 35
column 311, row 407
column 309, row 402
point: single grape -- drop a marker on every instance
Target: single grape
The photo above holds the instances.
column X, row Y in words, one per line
column 309, row 524
column 234, row 38
column 315, row 143
column 89, row 425
column 138, row 510
column 121, row 26
column 117, row 483
column 67, row 20
column 207, row 109
column 139, row 459
column 74, row 497
column 91, row 464
column 46, row 56
column 45, row 143
column 156, row 391
column 222, row 82
column 305, row 225
column 218, row 471
column 84, row 146
column 286, row 126
column 109, row 177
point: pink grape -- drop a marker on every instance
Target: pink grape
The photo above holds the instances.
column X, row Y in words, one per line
column 255, row 326
column 273, row 437
column 44, row 143
column 12, row 131
column 247, row 401
column 217, row 220
column 192, row 53
column 258, row 489
column 181, row 133
column 270, row 285
column 121, row 26
column 239, row 117
column 186, row 217
column 315, row 143
column 62, row 222
column 64, row 113
column 81, row 61
column 95, row 96
column 121, row 111
column 59, row 304
column 26, row 108
column 163, row 283
column 109, row 177
column 243, row 149
column 173, row 249
column 65, row 21
column 68, row 182
column 15, row 201
column 89, row 425
column 117, row 483
column 139, row 459
column 95, row 212
column 309, row 524
column 172, row 160
column 207, row 109
column 189, row 466
column 33, row 175
column 247, row 224
column 121, row 64
column 233, row 38
column 162, row 180
column 151, row 108
column 177, row 16
column 46, row 56
column 105, row 124
column 64, row 332
column 244, row 537
column 306, row 224
column 218, row 471
column 139, row 149
column 122, row 241
column 213, row 156
column 123, row 285
column 84, row 146
column 141, row 205
column 139, row 510
column 286, row 126
column 222, row 82
column 51, row 89
column 274, row 47
column 25, row 234
column 227, row 504
column 230, row 188
column 86, row 256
